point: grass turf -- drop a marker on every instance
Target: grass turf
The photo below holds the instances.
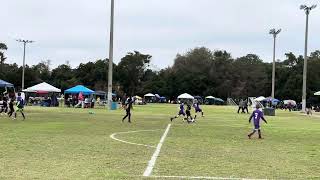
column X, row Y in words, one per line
column 62, row 143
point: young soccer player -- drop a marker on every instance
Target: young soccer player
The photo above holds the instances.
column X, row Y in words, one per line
column 11, row 107
column 256, row 116
column 128, row 107
column 309, row 109
column 197, row 109
column 4, row 104
column 20, row 106
column 180, row 113
column 245, row 107
column 188, row 112
column 123, row 101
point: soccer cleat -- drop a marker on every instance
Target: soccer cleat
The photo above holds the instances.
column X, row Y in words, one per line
column 171, row 119
column 249, row 136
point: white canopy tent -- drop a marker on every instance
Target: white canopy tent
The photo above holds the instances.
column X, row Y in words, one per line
column 149, row 95
column 210, row 97
column 317, row 93
column 292, row 102
column 185, row 96
column 43, row 87
column 259, row 99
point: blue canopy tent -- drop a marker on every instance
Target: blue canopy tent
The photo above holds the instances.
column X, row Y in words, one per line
column 78, row 89
column 272, row 100
column 163, row 99
column 7, row 87
column 5, row 84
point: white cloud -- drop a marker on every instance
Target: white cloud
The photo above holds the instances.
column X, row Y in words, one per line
column 77, row 30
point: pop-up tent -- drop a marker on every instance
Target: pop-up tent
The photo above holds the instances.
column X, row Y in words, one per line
column 5, row 84
column 185, row 96
column 149, row 95
column 78, row 89
column 291, row 102
column 210, row 97
column 43, row 88
column 157, row 96
column 271, row 100
column 219, row 100
column 138, row 97
column 259, row 99
column 162, row 98
column 150, row 98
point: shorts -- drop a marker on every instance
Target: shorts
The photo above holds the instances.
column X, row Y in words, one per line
column 20, row 109
column 188, row 113
column 198, row 110
column 257, row 127
column 181, row 113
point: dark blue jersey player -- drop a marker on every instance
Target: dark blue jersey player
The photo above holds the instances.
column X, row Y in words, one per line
column 128, row 107
column 20, row 106
column 197, row 109
column 180, row 113
column 257, row 115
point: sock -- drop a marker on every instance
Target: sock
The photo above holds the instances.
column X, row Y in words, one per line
column 254, row 131
column 259, row 132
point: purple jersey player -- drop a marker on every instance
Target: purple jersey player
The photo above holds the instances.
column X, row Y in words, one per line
column 256, row 116
column 180, row 113
column 197, row 109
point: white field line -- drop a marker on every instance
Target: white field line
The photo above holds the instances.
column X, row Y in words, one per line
column 112, row 136
column 156, row 153
column 201, row 177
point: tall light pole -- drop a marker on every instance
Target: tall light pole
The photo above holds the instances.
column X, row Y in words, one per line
column 274, row 32
column 25, row 42
column 109, row 75
column 305, row 66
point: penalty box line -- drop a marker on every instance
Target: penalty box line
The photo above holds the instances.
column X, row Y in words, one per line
column 156, row 153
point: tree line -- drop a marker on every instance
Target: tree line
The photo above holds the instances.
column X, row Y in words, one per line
column 200, row 71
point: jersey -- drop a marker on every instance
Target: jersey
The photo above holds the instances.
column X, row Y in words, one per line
column 197, row 107
column 20, row 102
column 188, row 111
column 128, row 105
column 181, row 110
column 256, row 116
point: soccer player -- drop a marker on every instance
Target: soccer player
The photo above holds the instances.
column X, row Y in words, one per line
column 256, row 116
column 128, row 107
column 188, row 112
column 197, row 109
column 309, row 108
column 181, row 112
column 241, row 106
column 123, row 101
column 245, row 107
column 20, row 106
column 11, row 107
column 4, row 104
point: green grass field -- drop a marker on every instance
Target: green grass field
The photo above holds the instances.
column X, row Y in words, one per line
column 62, row 143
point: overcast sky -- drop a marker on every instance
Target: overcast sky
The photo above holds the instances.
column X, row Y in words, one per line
column 78, row 30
